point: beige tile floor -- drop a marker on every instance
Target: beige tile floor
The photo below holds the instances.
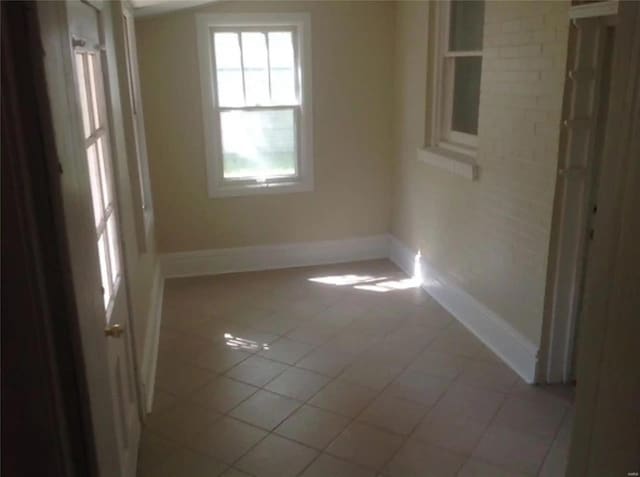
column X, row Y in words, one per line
column 340, row 370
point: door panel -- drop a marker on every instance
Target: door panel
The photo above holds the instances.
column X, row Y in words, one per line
column 93, row 134
column 577, row 180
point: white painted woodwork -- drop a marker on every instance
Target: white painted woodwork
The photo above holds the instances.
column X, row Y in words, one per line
column 518, row 352
column 67, row 28
column 300, row 24
column 577, row 179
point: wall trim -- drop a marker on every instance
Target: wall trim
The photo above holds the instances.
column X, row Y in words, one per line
column 152, row 337
column 266, row 257
column 509, row 344
column 450, row 161
column 597, row 9
column 166, row 7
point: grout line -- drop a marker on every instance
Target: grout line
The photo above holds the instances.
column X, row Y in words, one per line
column 352, row 419
column 349, row 298
column 406, row 437
column 553, row 440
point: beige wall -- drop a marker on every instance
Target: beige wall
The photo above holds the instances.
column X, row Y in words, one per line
column 369, row 72
column 489, row 236
column 352, row 46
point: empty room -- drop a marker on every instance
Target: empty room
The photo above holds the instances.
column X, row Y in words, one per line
column 331, row 238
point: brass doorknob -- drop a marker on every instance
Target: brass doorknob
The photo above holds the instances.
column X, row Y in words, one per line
column 114, row 330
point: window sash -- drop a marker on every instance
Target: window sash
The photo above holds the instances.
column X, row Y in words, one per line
column 295, row 106
column 299, row 26
column 446, row 136
column 450, row 136
column 450, row 21
column 264, row 30
column 255, row 181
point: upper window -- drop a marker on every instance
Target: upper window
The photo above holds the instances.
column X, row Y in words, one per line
column 458, row 66
column 257, row 108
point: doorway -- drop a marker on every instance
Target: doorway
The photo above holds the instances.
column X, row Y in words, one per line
column 585, row 106
column 80, row 80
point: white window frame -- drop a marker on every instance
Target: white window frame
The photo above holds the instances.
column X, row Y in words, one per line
column 300, row 23
column 440, row 133
column 449, row 150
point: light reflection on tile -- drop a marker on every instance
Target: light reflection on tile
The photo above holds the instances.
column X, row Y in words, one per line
column 339, row 370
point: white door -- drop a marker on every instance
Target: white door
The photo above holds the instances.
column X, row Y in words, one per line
column 579, row 165
column 91, row 130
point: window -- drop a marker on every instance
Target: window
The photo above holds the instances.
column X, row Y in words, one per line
column 96, row 142
column 456, row 93
column 256, row 89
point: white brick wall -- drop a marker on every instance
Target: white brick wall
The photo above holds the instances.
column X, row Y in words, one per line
column 490, row 236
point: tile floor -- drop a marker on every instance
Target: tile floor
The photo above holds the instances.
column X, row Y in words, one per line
column 341, row 370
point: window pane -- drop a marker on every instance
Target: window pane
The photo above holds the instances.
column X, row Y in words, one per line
column 104, row 271
column 227, row 51
column 254, row 59
column 281, row 49
column 93, row 86
column 112, row 238
column 281, row 61
column 228, row 69
column 466, row 94
column 258, row 144
column 283, row 87
column 230, row 88
column 105, row 177
column 82, row 93
column 94, row 183
column 466, row 25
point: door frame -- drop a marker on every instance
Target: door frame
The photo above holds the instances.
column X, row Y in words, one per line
column 41, row 347
column 606, row 437
column 566, row 274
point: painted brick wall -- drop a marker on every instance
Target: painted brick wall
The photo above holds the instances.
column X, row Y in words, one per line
column 490, row 236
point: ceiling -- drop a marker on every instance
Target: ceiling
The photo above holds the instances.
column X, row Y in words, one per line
column 154, row 7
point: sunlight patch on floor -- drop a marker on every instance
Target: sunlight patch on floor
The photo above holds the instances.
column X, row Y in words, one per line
column 375, row 284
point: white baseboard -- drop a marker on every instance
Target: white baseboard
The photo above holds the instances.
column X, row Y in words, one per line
column 152, row 337
column 266, row 257
column 509, row 344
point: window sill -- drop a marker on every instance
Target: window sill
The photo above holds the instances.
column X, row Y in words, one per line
column 452, row 161
column 259, row 189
